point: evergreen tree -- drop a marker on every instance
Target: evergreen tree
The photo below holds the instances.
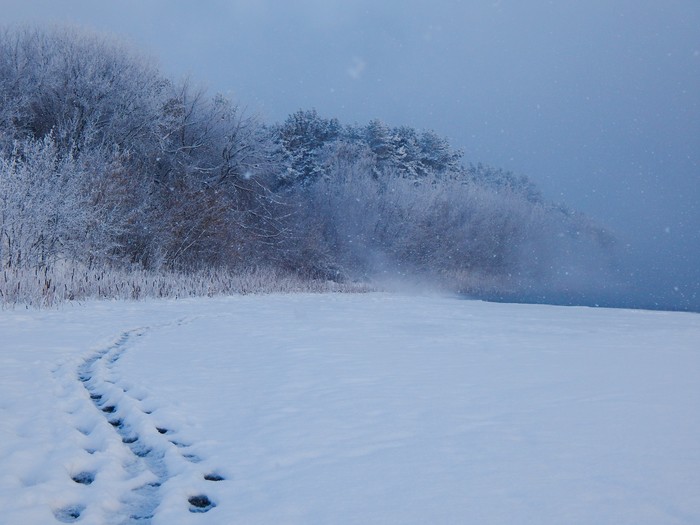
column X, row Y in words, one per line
column 303, row 135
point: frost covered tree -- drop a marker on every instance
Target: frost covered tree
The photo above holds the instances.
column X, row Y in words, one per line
column 501, row 180
column 436, row 154
column 213, row 174
column 83, row 88
column 96, row 103
column 302, row 136
column 57, row 207
column 381, row 141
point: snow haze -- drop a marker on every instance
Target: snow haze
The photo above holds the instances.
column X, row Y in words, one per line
column 598, row 102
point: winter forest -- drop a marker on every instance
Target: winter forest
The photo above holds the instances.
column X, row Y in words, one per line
column 118, row 182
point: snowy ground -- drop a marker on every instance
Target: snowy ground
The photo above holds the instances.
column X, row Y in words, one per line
column 348, row 409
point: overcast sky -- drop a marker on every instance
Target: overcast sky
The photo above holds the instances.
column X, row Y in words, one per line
column 597, row 101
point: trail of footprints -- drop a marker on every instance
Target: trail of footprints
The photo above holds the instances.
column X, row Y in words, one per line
column 147, row 442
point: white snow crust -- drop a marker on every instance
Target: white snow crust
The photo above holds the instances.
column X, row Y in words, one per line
column 373, row 408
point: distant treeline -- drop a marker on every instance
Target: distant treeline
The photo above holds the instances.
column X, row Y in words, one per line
column 107, row 165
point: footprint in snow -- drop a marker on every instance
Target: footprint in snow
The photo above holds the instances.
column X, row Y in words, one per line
column 213, row 476
column 69, row 514
column 200, row 503
column 84, row 478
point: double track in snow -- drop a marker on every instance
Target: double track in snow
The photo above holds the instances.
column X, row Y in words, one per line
column 155, row 454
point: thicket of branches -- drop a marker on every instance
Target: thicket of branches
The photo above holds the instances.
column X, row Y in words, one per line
column 108, row 166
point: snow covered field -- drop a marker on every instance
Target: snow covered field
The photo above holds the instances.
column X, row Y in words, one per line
column 369, row 408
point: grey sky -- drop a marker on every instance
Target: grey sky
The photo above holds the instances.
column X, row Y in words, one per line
column 597, row 101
